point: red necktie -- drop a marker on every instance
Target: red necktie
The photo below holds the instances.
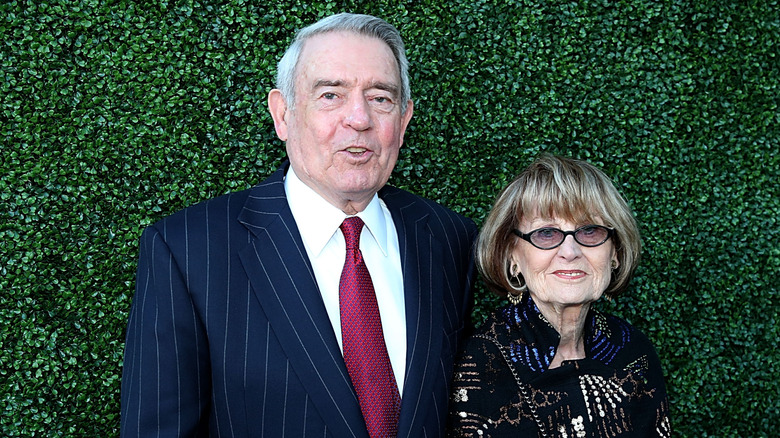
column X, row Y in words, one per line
column 365, row 352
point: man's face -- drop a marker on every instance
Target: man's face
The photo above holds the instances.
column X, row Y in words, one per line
column 345, row 132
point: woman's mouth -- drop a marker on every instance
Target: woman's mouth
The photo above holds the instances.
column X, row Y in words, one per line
column 569, row 275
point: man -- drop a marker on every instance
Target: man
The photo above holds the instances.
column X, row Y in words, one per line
column 256, row 313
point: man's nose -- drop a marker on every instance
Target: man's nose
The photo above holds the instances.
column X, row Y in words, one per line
column 358, row 115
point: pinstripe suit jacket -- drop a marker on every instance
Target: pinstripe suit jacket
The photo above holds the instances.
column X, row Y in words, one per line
column 228, row 335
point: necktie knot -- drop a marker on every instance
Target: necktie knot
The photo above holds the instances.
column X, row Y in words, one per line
column 351, row 227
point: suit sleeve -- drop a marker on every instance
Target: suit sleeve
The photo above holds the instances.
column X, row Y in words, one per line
column 468, row 294
column 165, row 383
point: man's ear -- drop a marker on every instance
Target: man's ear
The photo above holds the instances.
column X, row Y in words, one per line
column 278, row 109
column 405, row 118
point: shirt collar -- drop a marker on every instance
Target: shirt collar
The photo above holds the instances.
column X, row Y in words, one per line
column 318, row 219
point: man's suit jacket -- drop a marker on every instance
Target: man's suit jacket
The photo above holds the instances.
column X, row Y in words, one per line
column 228, row 335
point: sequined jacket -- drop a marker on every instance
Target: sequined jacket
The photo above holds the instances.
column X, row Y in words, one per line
column 503, row 386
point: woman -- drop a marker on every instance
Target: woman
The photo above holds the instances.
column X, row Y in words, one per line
column 547, row 364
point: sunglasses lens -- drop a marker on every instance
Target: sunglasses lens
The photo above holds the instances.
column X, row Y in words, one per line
column 591, row 235
column 547, row 237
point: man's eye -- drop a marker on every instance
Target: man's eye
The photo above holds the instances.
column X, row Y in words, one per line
column 329, row 96
column 384, row 103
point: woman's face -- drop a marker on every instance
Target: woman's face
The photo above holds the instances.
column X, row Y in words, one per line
column 570, row 274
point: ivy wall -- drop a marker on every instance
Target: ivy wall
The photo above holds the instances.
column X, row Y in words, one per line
column 114, row 113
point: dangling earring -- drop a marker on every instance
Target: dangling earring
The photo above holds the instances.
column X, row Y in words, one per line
column 512, row 298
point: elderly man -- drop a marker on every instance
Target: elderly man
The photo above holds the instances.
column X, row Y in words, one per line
column 321, row 302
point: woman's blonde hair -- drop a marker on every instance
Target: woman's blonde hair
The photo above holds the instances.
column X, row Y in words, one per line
column 563, row 188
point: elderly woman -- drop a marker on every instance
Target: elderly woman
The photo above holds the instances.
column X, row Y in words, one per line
column 547, row 364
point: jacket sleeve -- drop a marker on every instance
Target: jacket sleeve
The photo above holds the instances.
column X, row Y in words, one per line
column 165, row 382
column 651, row 416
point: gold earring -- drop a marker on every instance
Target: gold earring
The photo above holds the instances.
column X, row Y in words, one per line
column 614, row 264
column 512, row 298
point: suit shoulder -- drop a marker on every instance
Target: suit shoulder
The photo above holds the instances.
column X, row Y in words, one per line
column 214, row 220
column 207, row 227
column 227, row 206
column 214, row 208
column 403, row 200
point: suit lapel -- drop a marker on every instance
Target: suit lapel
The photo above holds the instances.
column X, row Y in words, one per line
column 423, row 297
column 284, row 285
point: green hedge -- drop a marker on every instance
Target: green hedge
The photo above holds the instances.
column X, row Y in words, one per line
column 114, row 113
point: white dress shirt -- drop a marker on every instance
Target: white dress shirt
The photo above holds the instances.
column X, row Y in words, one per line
column 318, row 222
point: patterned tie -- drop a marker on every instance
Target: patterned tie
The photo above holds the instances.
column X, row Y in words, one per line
column 365, row 352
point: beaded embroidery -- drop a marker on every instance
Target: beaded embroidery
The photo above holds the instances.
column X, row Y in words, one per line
column 503, row 386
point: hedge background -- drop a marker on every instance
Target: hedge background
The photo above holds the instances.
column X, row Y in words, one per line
column 115, row 113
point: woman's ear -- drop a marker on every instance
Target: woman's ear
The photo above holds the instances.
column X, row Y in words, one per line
column 513, row 267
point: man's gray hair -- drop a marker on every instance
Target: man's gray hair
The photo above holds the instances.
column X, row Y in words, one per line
column 361, row 24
